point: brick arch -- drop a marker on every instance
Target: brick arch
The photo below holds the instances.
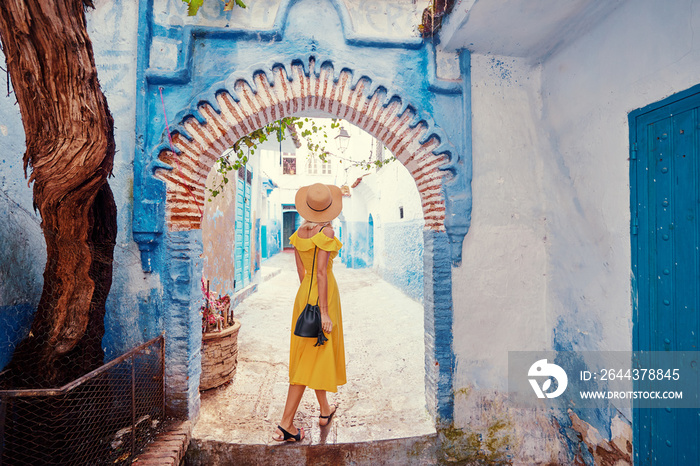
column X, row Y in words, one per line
column 279, row 93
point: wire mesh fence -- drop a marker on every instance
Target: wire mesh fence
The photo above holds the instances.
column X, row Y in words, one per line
column 105, row 417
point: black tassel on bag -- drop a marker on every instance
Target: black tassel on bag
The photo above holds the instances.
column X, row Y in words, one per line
column 321, row 338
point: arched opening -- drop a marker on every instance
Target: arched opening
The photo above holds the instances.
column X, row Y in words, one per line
column 222, row 121
column 385, row 367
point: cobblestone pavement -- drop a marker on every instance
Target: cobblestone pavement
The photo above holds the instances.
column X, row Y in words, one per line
column 385, row 394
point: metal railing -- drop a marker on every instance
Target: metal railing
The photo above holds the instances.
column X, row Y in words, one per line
column 105, row 417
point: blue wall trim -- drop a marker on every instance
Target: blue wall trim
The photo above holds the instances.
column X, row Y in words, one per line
column 437, row 301
column 183, row 323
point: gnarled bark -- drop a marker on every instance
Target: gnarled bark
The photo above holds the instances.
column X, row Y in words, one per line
column 70, row 150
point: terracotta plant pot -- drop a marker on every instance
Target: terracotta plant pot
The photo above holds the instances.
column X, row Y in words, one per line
column 219, row 356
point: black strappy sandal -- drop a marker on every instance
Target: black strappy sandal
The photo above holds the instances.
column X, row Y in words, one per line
column 329, row 417
column 289, row 437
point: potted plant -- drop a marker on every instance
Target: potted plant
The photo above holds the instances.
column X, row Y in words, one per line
column 219, row 339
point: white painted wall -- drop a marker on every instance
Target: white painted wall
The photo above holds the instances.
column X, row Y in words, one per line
column 499, row 291
column 389, row 19
column 550, row 225
column 547, row 260
column 384, row 191
column 589, row 89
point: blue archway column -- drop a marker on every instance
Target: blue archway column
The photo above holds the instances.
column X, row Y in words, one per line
column 437, row 301
column 182, row 297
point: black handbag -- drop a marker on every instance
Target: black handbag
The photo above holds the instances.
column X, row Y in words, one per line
column 309, row 322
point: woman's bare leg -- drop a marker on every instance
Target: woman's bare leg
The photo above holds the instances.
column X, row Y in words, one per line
column 290, row 408
column 326, row 409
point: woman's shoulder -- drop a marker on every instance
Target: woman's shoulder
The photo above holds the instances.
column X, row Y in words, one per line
column 328, row 231
column 327, row 240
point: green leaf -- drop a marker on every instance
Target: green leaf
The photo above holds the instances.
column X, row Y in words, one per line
column 193, row 6
column 229, row 4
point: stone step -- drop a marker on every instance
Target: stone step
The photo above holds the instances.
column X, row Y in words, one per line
column 399, row 452
column 168, row 449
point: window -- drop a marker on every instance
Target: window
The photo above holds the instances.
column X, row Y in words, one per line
column 316, row 166
column 242, row 172
column 289, row 163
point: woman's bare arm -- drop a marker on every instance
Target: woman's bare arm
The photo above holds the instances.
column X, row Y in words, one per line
column 322, row 280
column 300, row 266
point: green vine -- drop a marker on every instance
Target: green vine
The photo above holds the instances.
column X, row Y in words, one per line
column 306, row 128
column 194, row 5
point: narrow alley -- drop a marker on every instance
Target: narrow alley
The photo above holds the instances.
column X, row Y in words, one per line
column 385, row 394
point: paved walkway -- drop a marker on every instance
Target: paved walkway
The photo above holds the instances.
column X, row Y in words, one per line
column 385, row 394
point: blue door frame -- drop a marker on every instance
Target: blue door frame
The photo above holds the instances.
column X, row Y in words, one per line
column 664, row 198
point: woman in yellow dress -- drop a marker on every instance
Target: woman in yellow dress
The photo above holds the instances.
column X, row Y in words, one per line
column 320, row 367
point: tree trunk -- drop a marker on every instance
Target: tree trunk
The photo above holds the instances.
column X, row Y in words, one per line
column 70, row 149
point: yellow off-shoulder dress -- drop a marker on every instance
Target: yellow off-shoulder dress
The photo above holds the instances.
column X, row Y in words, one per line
column 317, row 367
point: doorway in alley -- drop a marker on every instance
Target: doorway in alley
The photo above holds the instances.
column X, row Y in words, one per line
column 385, row 354
column 665, row 195
column 290, row 223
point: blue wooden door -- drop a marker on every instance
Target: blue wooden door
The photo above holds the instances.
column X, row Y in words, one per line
column 665, row 174
column 289, row 225
column 263, row 241
column 243, row 224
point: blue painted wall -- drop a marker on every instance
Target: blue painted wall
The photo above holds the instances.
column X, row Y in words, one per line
column 156, row 273
column 22, row 249
column 402, row 253
column 134, row 304
column 22, row 259
column 403, row 264
column 272, row 237
column 355, row 245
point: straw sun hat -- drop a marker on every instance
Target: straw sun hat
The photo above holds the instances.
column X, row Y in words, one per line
column 319, row 203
